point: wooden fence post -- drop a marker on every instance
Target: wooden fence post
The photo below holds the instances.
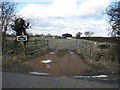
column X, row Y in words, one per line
column 78, row 46
column 22, row 47
column 91, row 51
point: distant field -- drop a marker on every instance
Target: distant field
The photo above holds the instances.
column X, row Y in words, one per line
column 97, row 39
column 102, row 39
column 30, row 38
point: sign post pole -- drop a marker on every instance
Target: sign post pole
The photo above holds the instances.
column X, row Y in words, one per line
column 21, row 40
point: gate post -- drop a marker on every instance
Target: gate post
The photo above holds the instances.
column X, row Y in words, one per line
column 78, row 47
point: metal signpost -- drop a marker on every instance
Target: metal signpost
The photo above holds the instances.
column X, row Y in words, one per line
column 21, row 39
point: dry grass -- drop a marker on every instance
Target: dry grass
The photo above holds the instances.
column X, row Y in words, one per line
column 23, row 58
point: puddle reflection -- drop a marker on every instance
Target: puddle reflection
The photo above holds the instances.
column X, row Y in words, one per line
column 46, row 61
column 39, row 73
column 99, row 77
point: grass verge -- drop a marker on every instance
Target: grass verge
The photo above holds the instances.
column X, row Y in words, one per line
column 23, row 58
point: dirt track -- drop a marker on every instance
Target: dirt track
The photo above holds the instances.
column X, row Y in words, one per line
column 63, row 63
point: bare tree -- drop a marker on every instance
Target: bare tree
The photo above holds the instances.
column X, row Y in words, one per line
column 19, row 26
column 7, row 9
column 113, row 11
column 6, row 16
column 78, row 34
column 49, row 35
column 7, row 12
column 88, row 33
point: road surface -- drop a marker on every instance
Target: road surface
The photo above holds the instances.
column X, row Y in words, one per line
column 16, row 80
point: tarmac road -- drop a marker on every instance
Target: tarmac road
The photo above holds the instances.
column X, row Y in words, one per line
column 16, row 80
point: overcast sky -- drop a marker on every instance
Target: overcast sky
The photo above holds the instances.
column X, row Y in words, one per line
column 65, row 16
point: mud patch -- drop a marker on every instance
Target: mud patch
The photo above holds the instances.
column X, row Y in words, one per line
column 64, row 64
column 61, row 53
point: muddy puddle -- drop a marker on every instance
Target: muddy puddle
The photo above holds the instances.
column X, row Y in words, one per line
column 39, row 73
column 99, row 77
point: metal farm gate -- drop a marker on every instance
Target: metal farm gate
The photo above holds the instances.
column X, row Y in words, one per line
column 97, row 50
